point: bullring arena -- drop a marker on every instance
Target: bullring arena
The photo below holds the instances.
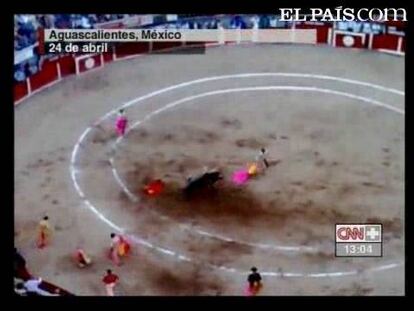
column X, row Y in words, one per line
column 331, row 118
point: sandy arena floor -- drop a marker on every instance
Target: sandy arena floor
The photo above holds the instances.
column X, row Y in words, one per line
column 331, row 119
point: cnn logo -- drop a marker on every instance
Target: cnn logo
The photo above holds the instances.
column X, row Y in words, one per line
column 351, row 233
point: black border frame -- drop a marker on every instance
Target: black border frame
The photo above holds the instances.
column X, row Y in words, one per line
column 159, row 6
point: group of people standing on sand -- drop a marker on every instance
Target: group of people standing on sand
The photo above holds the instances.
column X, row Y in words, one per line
column 27, row 284
column 119, row 245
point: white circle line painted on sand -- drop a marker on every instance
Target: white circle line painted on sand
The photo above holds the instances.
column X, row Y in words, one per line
column 249, row 75
column 168, row 106
column 139, row 99
column 120, row 182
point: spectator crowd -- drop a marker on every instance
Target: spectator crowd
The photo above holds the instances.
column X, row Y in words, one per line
column 26, row 34
column 26, row 26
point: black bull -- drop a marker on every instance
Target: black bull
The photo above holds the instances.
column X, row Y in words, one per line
column 205, row 181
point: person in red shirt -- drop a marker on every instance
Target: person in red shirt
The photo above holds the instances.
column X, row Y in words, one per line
column 110, row 280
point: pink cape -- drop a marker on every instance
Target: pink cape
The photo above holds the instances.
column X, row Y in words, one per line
column 121, row 124
column 248, row 291
column 240, row 177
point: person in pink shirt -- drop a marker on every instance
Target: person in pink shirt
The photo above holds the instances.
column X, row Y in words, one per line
column 121, row 123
